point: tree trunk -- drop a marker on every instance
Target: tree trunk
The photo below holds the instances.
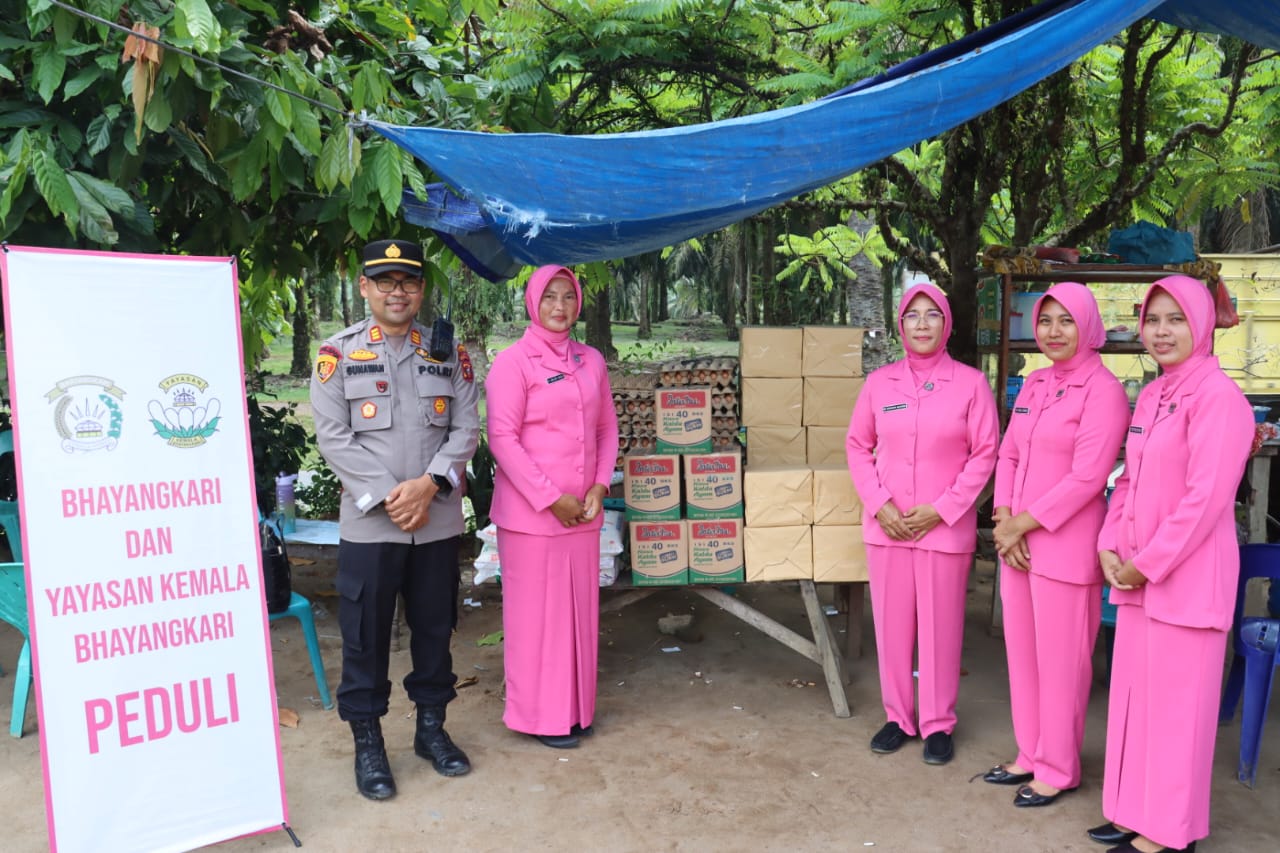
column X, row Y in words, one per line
column 865, row 304
column 300, row 366
column 599, row 330
column 644, row 331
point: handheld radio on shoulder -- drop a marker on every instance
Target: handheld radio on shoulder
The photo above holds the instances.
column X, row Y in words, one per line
column 441, row 347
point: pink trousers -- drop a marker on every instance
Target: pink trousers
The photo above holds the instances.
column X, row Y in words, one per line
column 1162, row 720
column 917, row 599
column 551, row 624
column 1049, row 630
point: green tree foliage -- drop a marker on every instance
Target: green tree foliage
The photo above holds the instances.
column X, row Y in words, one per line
column 217, row 162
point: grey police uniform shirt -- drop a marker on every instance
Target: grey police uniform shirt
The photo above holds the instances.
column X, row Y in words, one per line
column 383, row 417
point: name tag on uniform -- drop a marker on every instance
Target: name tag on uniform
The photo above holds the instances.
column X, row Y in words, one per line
column 1021, row 410
column 1136, row 429
column 894, row 408
column 556, row 378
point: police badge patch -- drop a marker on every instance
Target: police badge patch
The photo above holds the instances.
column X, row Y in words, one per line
column 327, row 362
column 464, row 361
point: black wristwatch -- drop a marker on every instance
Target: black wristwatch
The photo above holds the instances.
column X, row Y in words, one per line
column 442, row 483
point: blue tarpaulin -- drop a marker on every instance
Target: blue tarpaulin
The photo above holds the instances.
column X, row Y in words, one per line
column 547, row 198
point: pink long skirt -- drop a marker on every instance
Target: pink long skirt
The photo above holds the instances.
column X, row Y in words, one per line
column 551, row 626
column 1162, row 722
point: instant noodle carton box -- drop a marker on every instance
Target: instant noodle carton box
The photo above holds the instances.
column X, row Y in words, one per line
column 683, row 419
column 713, row 485
column 715, row 551
column 651, row 487
column 659, row 553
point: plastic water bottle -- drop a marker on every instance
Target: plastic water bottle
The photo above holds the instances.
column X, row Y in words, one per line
column 286, row 509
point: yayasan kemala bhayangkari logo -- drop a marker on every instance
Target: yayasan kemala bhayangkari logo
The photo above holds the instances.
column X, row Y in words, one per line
column 88, row 414
column 187, row 420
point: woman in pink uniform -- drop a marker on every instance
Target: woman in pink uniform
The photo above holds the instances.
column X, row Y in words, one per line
column 554, row 434
column 1169, row 551
column 921, row 446
column 1061, row 444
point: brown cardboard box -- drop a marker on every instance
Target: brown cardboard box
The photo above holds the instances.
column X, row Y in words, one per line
column 834, row 500
column 828, row 401
column 713, row 485
column 839, row 555
column 659, row 553
column 779, row 553
column 826, row 445
column 776, row 446
column 770, row 350
column 715, row 550
column 683, row 419
column 832, row 351
column 651, row 487
column 772, row 402
column 778, row 496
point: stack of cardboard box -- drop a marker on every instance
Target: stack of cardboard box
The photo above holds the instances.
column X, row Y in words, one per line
column 802, row 514
column 694, row 539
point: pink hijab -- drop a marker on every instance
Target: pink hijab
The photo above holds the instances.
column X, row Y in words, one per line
column 1083, row 308
column 916, row 361
column 539, row 336
column 1194, row 299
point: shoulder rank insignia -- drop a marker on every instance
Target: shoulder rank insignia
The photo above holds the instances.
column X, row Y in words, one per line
column 362, row 355
column 415, row 337
column 464, row 361
column 327, row 362
column 375, row 334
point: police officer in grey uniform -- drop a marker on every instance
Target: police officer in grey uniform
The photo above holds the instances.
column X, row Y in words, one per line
column 397, row 423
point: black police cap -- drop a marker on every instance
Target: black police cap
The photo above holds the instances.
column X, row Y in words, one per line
column 383, row 256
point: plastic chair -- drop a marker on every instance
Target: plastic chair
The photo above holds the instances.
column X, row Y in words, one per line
column 9, row 518
column 1256, row 643
column 13, row 609
column 300, row 609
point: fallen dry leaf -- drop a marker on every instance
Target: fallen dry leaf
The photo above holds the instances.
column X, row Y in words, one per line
column 468, row 681
column 289, row 717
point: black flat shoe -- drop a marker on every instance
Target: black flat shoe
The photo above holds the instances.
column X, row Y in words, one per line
column 1108, row 834
column 938, row 748
column 579, row 731
column 1027, row 797
column 998, row 775
column 1128, row 847
column 889, row 739
column 569, row 741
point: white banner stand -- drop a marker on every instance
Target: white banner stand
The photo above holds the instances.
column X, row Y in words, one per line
column 149, row 632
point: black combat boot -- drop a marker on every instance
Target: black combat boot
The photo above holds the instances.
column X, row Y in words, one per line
column 433, row 743
column 373, row 771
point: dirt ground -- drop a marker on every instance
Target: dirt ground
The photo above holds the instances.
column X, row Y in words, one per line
column 723, row 745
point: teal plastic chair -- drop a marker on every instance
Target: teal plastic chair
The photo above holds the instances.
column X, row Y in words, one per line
column 9, row 518
column 300, row 609
column 13, row 609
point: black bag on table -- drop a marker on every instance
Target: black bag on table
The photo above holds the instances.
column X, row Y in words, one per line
column 277, row 581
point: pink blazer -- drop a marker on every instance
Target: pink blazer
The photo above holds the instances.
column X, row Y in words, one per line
column 552, row 430
column 1057, row 453
column 1173, row 510
column 924, row 447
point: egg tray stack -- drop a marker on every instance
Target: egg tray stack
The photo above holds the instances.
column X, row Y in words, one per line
column 633, row 401
column 720, row 374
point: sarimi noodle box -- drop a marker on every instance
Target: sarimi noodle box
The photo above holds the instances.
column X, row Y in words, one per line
column 715, row 551
column 651, row 487
column 713, row 485
column 659, row 553
column 683, row 417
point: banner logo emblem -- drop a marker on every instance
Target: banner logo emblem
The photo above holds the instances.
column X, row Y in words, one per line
column 188, row 420
column 88, row 415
